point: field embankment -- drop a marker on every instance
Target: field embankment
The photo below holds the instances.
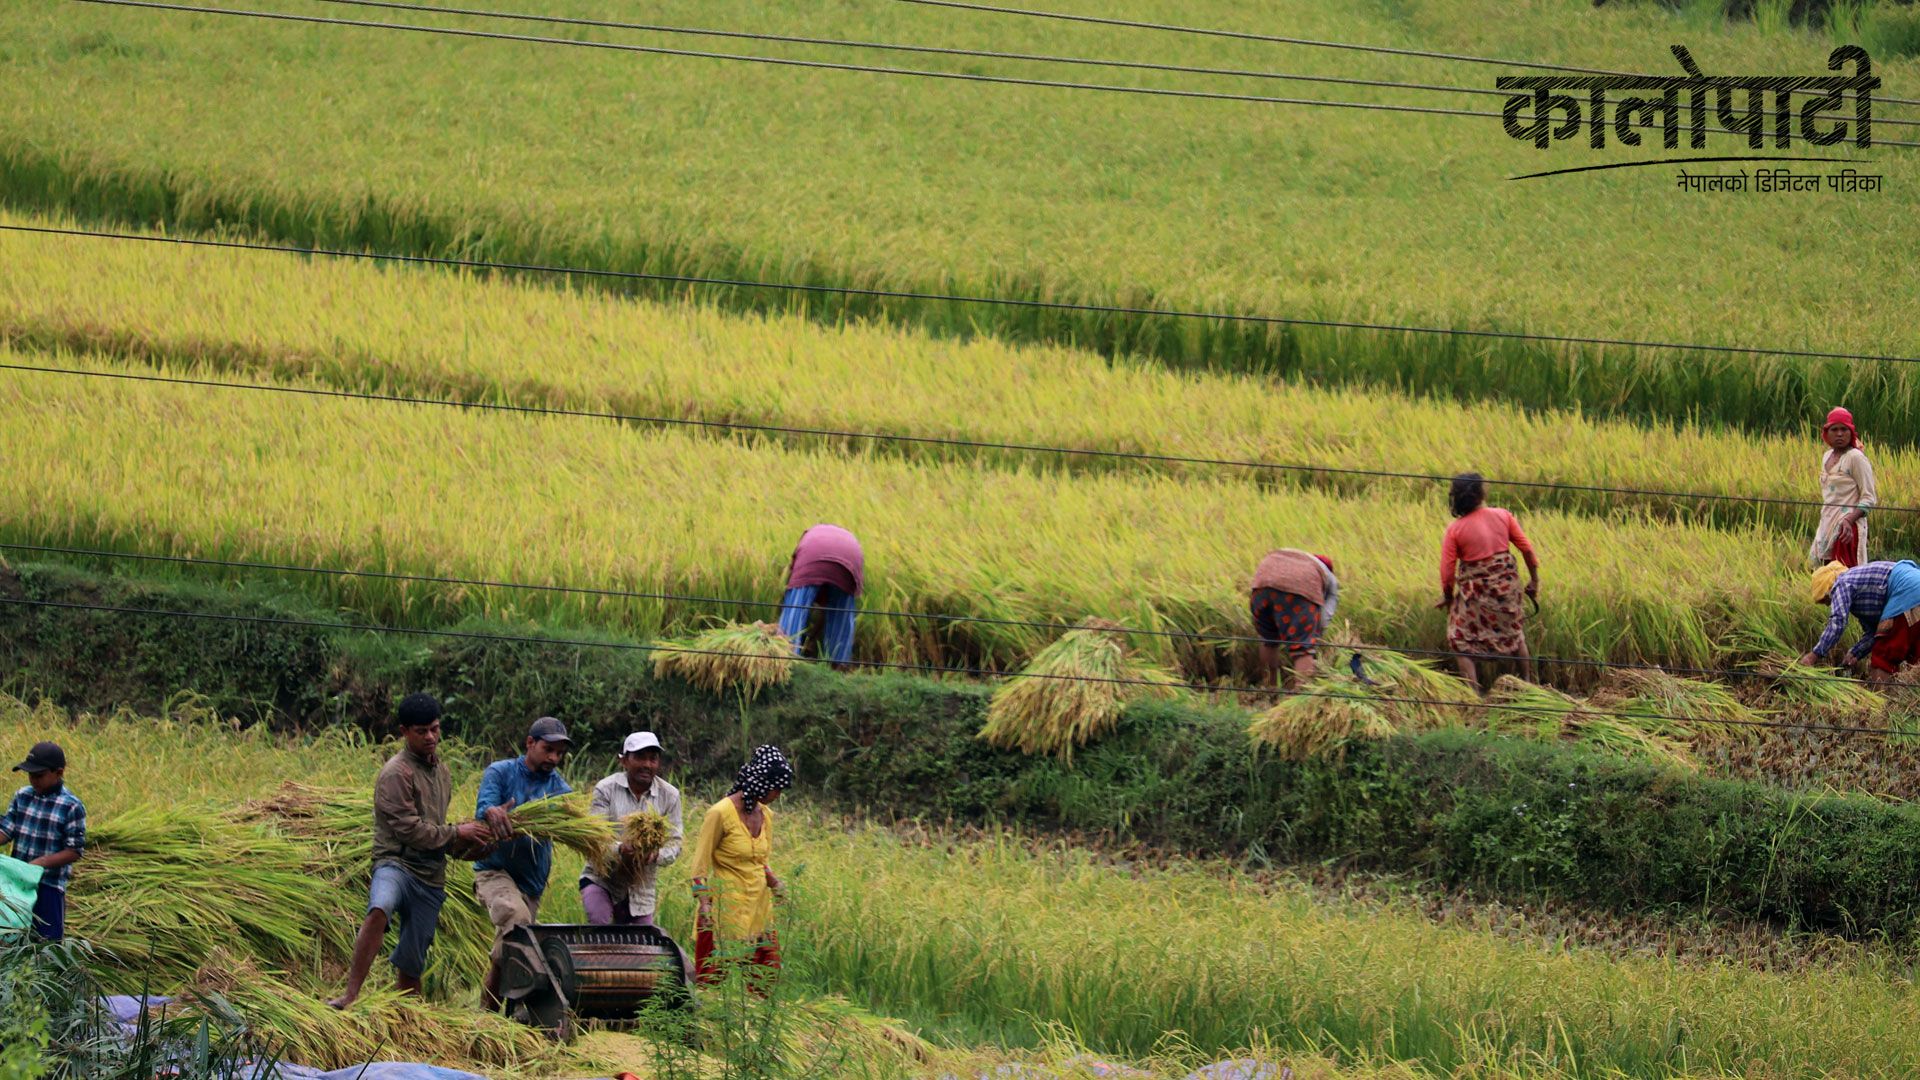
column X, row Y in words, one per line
column 1466, row 808
column 987, row 946
column 423, row 144
column 407, row 331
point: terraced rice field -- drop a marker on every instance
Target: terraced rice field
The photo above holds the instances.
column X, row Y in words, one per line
column 677, row 164
column 985, row 942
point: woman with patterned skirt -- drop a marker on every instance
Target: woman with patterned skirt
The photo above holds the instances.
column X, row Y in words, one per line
column 1480, row 581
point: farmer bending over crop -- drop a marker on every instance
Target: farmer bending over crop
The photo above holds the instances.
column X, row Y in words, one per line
column 635, row 788
column 1885, row 597
column 1293, row 598
column 510, row 881
column 733, row 887
column 824, row 575
column 1860, row 592
column 1847, row 490
column 411, row 841
column 47, row 826
column 1479, row 582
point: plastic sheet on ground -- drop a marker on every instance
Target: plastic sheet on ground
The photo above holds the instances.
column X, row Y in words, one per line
column 125, row 1011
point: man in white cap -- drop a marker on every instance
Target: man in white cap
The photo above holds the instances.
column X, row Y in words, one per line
column 637, row 786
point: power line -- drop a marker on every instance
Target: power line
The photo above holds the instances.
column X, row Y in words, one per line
column 985, row 54
column 1276, row 39
column 655, row 50
column 924, row 669
column 1004, row 80
column 955, row 298
column 920, row 440
column 628, row 594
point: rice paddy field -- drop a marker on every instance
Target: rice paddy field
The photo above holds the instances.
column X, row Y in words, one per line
column 992, row 947
column 634, row 436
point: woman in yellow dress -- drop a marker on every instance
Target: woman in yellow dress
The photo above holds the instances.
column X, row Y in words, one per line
column 733, row 885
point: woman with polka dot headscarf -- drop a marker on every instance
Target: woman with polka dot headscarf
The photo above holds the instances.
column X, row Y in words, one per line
column 733, row 885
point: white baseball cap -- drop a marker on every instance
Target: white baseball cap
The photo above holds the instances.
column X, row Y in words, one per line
column 638, row 741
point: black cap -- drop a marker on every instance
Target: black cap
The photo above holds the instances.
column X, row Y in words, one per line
column 548, row 729
column 44, row 757
column 417, row 710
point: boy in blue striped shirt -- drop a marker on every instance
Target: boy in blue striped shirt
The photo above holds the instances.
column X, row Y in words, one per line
column 47, row 826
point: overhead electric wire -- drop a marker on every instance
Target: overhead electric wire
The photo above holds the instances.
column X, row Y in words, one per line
column 924, row 669
column 921, row 440
column 984, row 54
column 955, row 298
column 1005, row 80
column 1276, row 39
column 717, row 601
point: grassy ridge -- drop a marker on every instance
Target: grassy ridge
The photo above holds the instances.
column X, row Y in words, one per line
column 449, row 146
column 395, row 330
column 988, row 940
column 556, row 500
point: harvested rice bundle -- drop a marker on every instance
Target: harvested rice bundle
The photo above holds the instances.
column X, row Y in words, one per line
column 644, row 832
column 382, row 1024
column 751, row 656
column 1547, row 715
column 165, row 885
column 1443, row 700
column 569, row 821
column 1819, row 690
column 1332, row 713
column 1087, row 679
column 1704, row 708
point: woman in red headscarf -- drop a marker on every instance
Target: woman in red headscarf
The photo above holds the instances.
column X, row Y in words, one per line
column 1846, row 489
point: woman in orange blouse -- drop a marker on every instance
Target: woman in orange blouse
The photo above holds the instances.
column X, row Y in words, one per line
column 733, row 885
column 1479, row 581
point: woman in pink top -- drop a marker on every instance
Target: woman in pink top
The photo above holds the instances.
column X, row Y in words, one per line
column 1479, row 581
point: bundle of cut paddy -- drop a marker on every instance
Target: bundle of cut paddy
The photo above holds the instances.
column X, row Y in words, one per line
column 749, row 656
column 1071, row 692
column 644, row 832
column 1429, row 698
column 567, row 820
column 1546, row 715
column 1683, row 708
column 164, row 885
column 1330, row 714
column 297, row 1024
column 1820, row 691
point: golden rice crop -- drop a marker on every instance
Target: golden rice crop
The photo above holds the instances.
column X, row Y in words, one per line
column 1083, row 682
column 393, row 330
column 195, row 471
column 746, row 656
column 1333, row 712
column 1703, row 708
column 1431, row 698
column 644, row 833
column 1819, row 691
column 954, row 187
column 567, row 820
column 1547, row 715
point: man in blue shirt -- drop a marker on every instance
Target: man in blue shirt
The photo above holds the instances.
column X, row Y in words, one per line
column 47, row 826
column 510, row 882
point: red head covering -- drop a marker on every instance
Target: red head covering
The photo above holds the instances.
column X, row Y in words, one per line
column 1844, row 419
column 1326, row 560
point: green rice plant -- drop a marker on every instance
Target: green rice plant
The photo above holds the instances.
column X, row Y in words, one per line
column 248, row 479
column 569, row 821
column 1081, row 683
column 351, row 326
column 951, row 187
column 1332, row 713
column 746, row 656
